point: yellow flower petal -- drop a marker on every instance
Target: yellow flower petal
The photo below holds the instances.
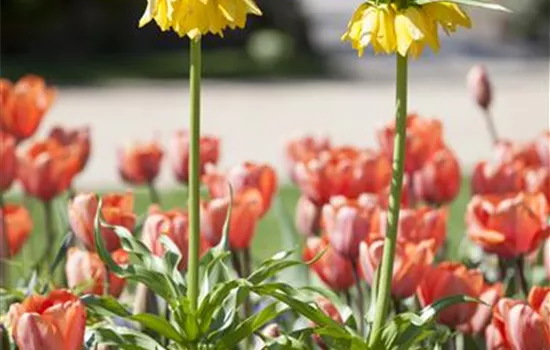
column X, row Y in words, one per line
column 385, row 35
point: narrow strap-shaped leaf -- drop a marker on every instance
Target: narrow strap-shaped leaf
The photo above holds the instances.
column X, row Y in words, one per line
column 100, row 246
column 160, row 325
column 474, row 3
column 125, row 339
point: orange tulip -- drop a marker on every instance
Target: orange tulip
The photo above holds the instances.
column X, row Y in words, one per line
column 411, row 262
column 117, row 210
column 209, row 154
column 509, row 225
column 424, row 138
column 77, row 138
column 23, row 105
column 538, row 181
column 47, row 169
column 243, row 177
column 332, row 268
column 501, row 178
column 438, row 181
column 328, row 308
column 418, row 225
column 85, row 270
column 17, row 222
column 53, row 322
column 308, row 217
column 533, row 154
column 518, row 325
column 245, row 212
column 8, row 161
column 347, row 222
column 448, row 279
column 303, row 149
column 547, row 258
column 139, row 164
column 479, row 321
column 342, row 171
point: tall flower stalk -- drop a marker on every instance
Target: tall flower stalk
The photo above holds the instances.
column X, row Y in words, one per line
column 386, row 268
column 194, row 172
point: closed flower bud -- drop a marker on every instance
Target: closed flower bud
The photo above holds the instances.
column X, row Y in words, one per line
column 139, row 164
column 510, row 225
column 410, row 264
column 308, row 217
column 332, row 268
column 53, row 322
column 117, row 210
column 8, row 161
column 179, row 152
column 86, row 271
column 16, row 227
column 245, row 213
column 438, row 181
column 347, row 223
column 78, row 138
column 449, row 279
column 480, row 86
column 46, row 169
column 23, row 105
column 303, row 149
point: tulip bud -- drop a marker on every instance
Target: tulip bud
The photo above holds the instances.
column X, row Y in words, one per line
column 17, row 223
column 77, row 138
column 139, row 164
column 303, row 149
column 308, row 217
column 480, row 86
column 209, row 154
column 347, row 223
column 8, row 161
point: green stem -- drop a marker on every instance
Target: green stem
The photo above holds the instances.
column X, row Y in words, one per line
column 360, row 297
column 386, row 268
column 520, row 262
column 194, row 181
column 153, row 193
column 50, row 234
column 5, row 249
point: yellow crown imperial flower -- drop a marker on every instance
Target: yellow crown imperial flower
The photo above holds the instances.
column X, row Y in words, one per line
column 389, row 29
column 194, row 18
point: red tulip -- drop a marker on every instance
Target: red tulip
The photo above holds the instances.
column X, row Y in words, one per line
column 245, row 212
column 8, row 161
column 547, row 258
column 479, row 321
column 418, row 225
column 139, row 164
column 328, row 308
column 411, row 262
column 438, row 181
column 209, row 154
column 518, row 325
column 332, row 268
column 303, row 149
column 47, row 169
column 77, row 138
column 424, row 138
column 243, row 177
column 53, row 322
column 480, row 86
column 347, row 222
column 501, row 178
column 343, row 171
column 308, row 217
column 23, row 105
column 85, row 270
column 117, row 210
column 448, row 279
column 542, row 145
column 509, row 225
column 17, row 222
column 538, row 181
column 532, row 154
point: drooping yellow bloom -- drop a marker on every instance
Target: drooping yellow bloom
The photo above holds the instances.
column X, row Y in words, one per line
column 406, row 31
column 194, row 18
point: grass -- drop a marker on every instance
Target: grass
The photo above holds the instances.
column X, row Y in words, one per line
column 269, row 239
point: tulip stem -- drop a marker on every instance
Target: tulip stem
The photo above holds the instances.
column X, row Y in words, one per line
column 153, row 193
column 491, row 126
column 5, row 249
column 386, row 268
column 397, row 306
column 360, row 297
column 520, row 262
column 50, row 234
column 194, row 172
column 236, row 262
column 247, row 262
